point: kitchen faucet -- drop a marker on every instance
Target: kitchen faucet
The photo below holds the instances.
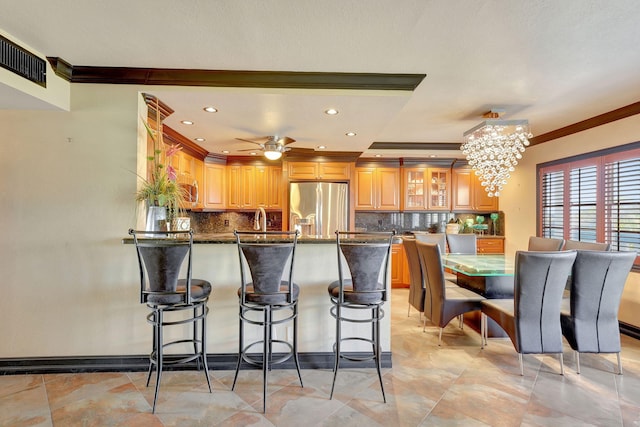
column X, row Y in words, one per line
column 256, row 221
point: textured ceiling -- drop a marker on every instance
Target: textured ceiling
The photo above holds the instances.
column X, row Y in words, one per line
column 551, row 62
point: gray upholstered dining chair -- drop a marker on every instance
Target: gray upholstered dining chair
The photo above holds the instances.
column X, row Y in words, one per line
column 360, row 293
column 163, row 257
column 589, row 318
column 585, row 246
column 442, row 303
column 267, row 297
column 416, row 283
column 441, row 240
column 462, row 243
column 532, row 318
column 545, row 244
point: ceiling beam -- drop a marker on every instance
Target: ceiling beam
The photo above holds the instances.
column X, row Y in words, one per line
column 233, row 78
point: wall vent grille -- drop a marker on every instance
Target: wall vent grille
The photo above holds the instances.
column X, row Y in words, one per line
column 22, row 62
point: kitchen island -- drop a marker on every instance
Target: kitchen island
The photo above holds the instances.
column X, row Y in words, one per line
column 215, row 258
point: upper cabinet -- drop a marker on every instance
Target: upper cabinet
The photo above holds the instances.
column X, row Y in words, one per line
column 319, row 170
column 269, row 187
column 427, row 189
column 468, row 194
column 215, row 178
column 377, row 189
column 251, row 187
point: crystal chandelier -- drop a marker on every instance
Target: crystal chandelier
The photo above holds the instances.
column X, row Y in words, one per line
column 493, row 149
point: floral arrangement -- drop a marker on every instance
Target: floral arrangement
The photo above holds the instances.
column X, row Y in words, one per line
column 161, row 187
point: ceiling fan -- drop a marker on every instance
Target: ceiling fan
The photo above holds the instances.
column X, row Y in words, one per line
column 273, row 146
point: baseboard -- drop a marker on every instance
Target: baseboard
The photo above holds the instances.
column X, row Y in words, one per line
column 59, row 365
column 630, row 330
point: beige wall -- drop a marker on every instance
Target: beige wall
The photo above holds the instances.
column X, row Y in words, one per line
column 519, row 197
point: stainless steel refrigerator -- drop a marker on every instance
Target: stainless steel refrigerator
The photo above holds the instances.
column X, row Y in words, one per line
column 318, row 208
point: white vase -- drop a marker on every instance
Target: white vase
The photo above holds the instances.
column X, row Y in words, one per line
column 156, row 218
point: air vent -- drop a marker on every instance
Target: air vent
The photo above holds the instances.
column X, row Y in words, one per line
column 22, row 62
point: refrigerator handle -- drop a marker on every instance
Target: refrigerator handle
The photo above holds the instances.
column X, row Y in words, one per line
column 319, row 207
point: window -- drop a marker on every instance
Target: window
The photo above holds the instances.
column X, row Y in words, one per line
column 593, row 198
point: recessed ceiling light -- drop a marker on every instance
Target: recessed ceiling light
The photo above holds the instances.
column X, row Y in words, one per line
column 210, row 109
column 433, row 155
column 378, row 155
column 186, row 122
column 331, row 111
column 350, row 134
column 321, row 147
column 200, row 139
column 253, row 153
column 225, row 151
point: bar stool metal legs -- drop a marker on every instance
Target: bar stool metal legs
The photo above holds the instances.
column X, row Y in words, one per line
column 376, row 315
column 159, row 360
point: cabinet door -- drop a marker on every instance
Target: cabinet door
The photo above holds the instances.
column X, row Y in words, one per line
column 388, row 188
column 482, row 201
column 414, row 189
column 234, row 179
column 303, row 170
column 334, row 170
column 268, row 186
column 248, row 187
column 396, row 266
column 214, row 186
column 439, row 189
column 462, row 187
column 365, row 189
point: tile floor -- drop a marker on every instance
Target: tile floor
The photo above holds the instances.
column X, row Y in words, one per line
column 455, row 384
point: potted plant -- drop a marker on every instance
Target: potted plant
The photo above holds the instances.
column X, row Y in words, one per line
column 160, row 190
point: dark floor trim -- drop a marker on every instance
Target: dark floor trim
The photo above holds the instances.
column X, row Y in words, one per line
column 630, row 330
column 59, row 365
column 234, row 78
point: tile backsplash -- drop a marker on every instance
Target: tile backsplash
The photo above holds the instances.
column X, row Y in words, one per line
column 226, row 222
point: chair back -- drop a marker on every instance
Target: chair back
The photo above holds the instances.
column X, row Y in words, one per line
column 269, row 257
column 431, row 263
column 598, row 280
column 585, row 246
column 439, row 238
column 545, row 244
column 161, row 257
column 416, row 282
column 462, row 243
column 539, row 282
column 366, row 255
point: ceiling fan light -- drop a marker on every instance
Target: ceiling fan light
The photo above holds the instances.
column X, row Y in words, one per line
column 272, row 155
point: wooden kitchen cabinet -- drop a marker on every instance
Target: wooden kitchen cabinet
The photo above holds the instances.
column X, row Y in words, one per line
column 468, row 194
column 319, row 170
column 215, row 178
column 427, row 189
column 241, row 187
column 377, row 189
column 490, row 245
column 269, row 188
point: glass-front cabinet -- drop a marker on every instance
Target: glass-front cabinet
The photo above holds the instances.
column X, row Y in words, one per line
column 427, row 189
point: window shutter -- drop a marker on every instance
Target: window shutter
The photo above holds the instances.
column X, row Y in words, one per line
column 583, row 198
column 552, row 204
column 622, row 205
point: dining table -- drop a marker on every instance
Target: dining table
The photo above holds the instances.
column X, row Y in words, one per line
column 490, row 275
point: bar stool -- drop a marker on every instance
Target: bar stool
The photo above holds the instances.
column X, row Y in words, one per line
column 366, row 255
column 267, row 289
column 161, row 257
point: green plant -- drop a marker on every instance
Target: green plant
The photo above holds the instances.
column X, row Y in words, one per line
column 160, row 188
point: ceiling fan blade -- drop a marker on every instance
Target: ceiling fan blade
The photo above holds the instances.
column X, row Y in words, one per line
column 251, row 149
column 284, row 140
column 248, row 140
